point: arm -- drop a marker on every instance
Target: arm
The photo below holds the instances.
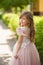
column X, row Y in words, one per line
column 18, row 45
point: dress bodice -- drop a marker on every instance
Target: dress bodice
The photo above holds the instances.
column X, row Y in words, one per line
column 25, row 32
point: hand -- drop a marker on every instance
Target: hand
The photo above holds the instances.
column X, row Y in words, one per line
column 16, row 56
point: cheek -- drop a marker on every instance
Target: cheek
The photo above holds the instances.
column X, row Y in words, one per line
column 25, row 23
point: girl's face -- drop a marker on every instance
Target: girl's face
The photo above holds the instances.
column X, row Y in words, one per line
column 23, row 21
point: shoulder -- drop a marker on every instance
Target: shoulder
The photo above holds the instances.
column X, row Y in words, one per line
column 22, row 30
column 19, row 31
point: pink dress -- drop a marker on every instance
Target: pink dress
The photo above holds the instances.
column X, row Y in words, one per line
column 27, row 54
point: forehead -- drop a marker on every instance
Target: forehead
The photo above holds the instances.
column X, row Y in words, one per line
column 23, row 17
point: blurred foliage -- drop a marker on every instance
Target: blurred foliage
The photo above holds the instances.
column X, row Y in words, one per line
column 11, row 20
column 38, row 20
column 8, row 4
column 1, row 12
column 33, row 0
column 39, row 34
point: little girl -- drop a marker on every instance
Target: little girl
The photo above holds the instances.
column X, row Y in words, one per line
column 25, row 51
